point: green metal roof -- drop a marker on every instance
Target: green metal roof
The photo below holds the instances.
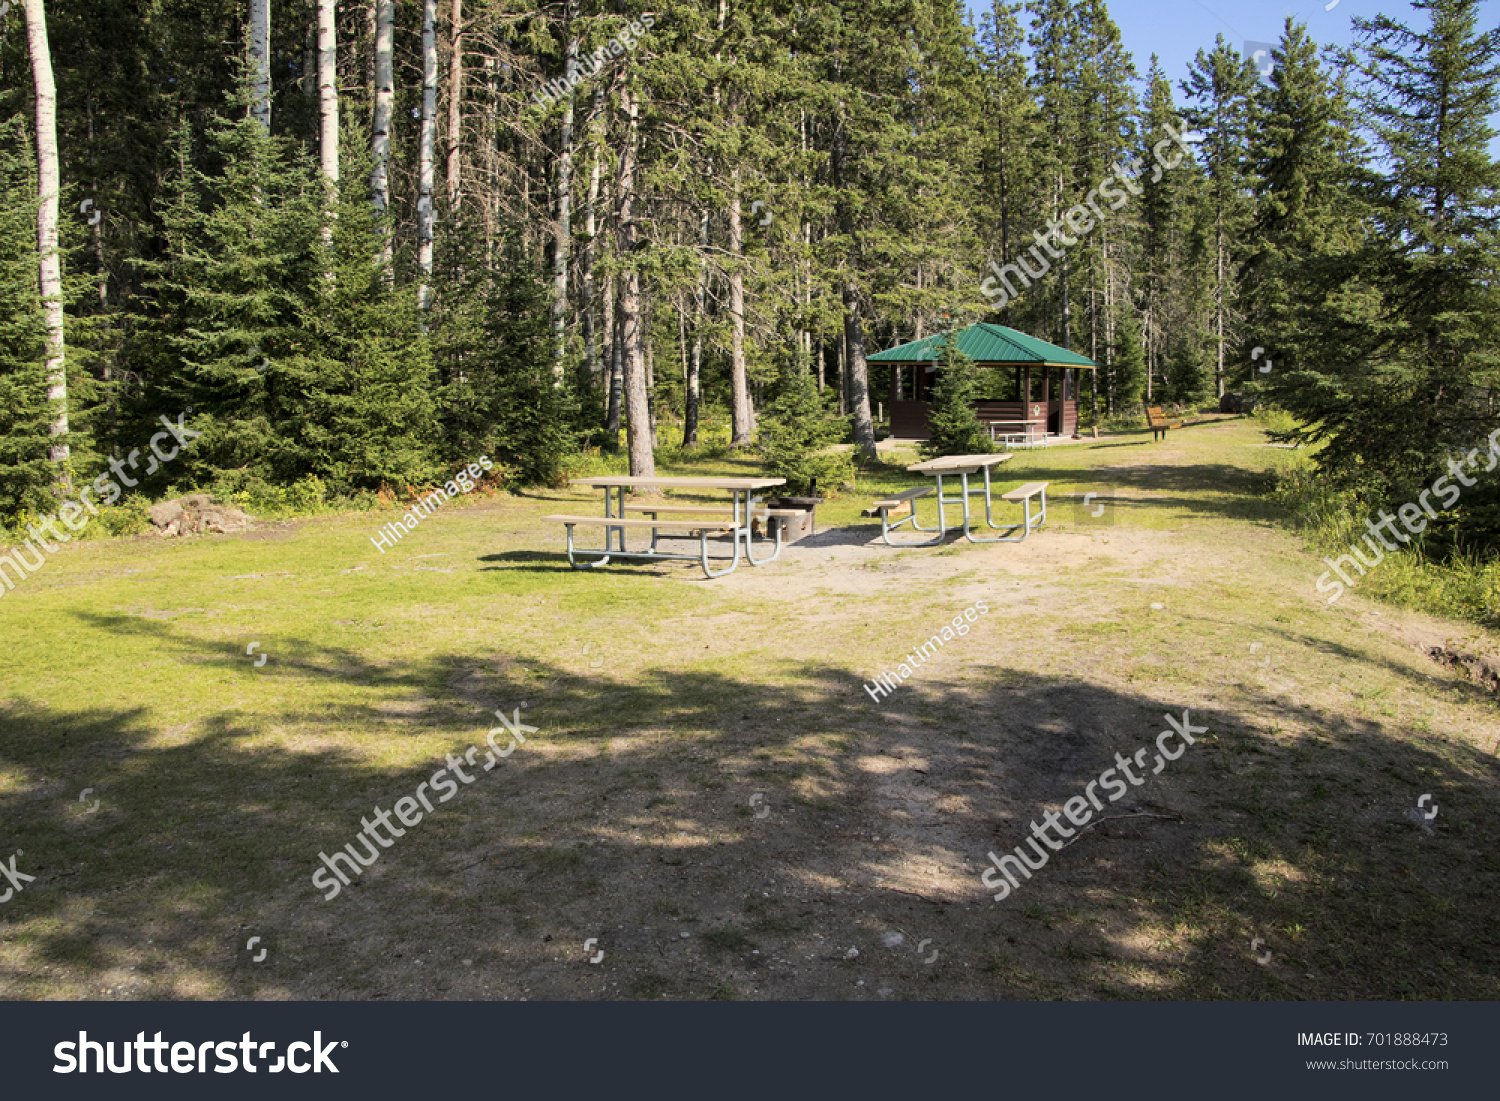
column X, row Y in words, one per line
column 989, row 346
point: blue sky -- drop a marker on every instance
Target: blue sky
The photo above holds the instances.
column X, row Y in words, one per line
column 1177, row 29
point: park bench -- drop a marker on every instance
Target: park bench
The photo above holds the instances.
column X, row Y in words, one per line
column 1023, row 495
column 1156, row 420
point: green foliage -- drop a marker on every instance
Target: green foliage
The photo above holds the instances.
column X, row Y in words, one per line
column 1125, row 369
column 953, row 428
column 796, row 430
column 25, row 413
column 516, row 403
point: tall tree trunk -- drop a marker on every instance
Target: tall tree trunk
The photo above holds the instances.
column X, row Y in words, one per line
column 328, row 103
column 260, row 61
column 590, row 345
column 695, row 363
column 742, row 425
column 425, row 220
column 858, row 372
column 616, row 362
column 49, row 281
column 563, row 226
column 637, row 405
column 380, row 128
column 455, row 104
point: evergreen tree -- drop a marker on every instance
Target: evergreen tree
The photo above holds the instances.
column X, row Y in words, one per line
column 796, row 432
column 952, row 426
column 520, row 410
column 25, row 413
column 220, row 322
column 1308, row 214
column 1218, row 89
column 1410, row 368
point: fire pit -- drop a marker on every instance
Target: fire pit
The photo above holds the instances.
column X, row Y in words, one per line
column 796, row 517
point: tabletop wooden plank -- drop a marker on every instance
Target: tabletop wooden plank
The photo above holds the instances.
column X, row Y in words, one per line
column 612, row 480
column 945, row 463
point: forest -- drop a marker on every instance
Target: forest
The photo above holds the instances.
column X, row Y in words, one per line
column 355, row 245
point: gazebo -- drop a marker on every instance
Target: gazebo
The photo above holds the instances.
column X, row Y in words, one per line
column 1054, row 402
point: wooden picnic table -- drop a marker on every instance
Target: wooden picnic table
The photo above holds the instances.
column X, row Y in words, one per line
column 960, row 466
column 743, row 495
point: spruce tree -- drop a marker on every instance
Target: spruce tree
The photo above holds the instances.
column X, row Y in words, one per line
column 25, row 413
column 1218, row 89
column 796, row 431
column 1402, row 373
column 952, row 426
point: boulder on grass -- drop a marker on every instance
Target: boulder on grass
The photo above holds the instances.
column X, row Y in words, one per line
column 194, row 514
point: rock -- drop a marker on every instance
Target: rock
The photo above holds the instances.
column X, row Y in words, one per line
column 194, row 514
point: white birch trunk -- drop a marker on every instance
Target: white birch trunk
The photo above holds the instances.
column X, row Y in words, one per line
column 260, row 60
column 425, row 156
column 328, row 107
column 380, row 128
column 563, row 230
column 49, row 184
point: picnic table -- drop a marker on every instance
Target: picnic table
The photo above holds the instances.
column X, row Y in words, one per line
column 707, row 519
column 1026, row 427
column 962, row 466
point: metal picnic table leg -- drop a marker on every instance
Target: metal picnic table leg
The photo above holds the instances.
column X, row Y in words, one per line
column 572, row 561
column 750, row 535
column 886, row 528
column 703, row 544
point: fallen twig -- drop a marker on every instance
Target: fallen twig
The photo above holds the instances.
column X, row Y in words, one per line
column 1120, row 817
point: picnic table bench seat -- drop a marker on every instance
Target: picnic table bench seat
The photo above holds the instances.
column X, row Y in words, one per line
column 899, row 502
column 1023, row 494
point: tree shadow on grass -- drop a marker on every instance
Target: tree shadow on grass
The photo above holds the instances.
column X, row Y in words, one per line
column 629, row 816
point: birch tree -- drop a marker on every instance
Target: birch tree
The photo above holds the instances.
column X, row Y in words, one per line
column 49, row 184
column 260, row 61
column 380, row 128
column 328, row 105
column 425, row 149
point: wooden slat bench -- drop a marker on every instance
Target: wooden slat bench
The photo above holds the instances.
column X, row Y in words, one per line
column 703, row 528
column 1156, row 420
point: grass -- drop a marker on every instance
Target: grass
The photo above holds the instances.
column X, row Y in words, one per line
column 626, row 816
